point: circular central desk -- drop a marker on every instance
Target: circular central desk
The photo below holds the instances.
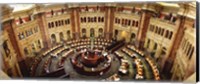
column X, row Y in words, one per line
column 90, row 63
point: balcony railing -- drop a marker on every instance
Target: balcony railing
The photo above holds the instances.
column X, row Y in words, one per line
column 163, row 21
column 27, row 23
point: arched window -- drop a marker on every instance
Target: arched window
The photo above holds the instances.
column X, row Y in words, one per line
column 88, row 19
column 22, row 35
column 62, row 22
column 61, row 36
column 155, row 46
column 171, row 33
column 85, row 20
column 56, row 24
column 82, row 19
column 184, row 45
column 92, row 33
column 156, row 30
column 123, row 21
column 115, row 34
column 84, row 33
column 59, row 23
column 162, row 32
column 126, row 22
column 119, row 21
column 166, row 35
column 26, row 51
column 39, row 44
column 19, row 35
column 102, row 19
column 137, row 24
column 189, row 48
column 91, row 18
column 153, row 27
column 27, row 33
column 99, row 19
column 49, row 25
column 31, row 31
column 52, row 24
column 159, row 31
column 100, row 32
column 68, row 35
column 116, row 20
column 132, row 37
column 191, row 53
column 68, row 21
column 6, row 48
column 148, row 42
column 133, row 23
column 33, row 47
column 129, row 22
column 95, row 19
column 53, row 38
column 163, row 53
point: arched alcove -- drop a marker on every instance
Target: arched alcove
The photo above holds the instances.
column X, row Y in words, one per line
column 26, row 51
column 53, row 38
column 132, row 37
column 84, row 33
column 39, row 44
column 68, row 35
column 100, row 32
column 61, row 36
column 92, row 32
column 116, row 34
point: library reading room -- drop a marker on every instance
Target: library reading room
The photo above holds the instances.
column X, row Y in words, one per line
column 136, row 41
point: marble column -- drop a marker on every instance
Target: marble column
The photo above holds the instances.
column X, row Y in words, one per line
column 168, row 61
column 143, row 27
column 109, row 22
column 10, row 26
column 42, row 23
column 73, row 22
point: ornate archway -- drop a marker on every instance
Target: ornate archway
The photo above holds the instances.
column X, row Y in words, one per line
column 84, row 33
column 68, row 35
column 61, row 36
column 92, row 33
column 53, row 39
column 100, row 32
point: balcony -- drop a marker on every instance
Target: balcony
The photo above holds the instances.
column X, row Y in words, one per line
column 27, row 23
column 162, row 21
column 58, row 14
